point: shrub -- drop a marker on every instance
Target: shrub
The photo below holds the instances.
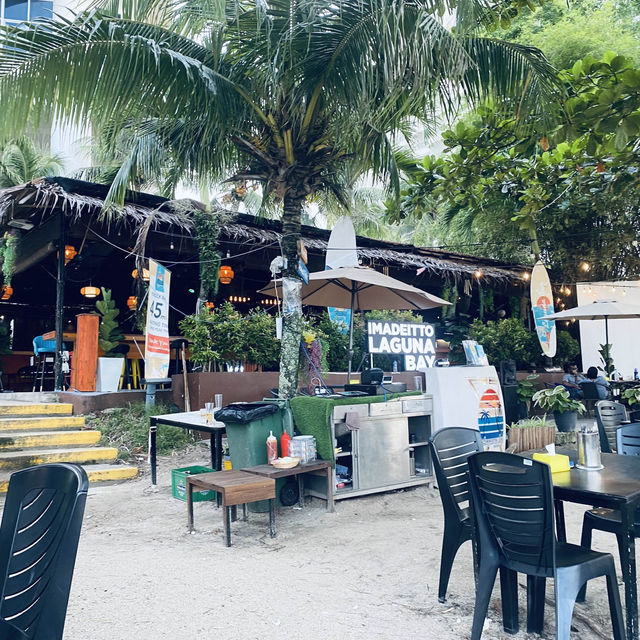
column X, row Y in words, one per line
column 505, row 340
column 127, row 428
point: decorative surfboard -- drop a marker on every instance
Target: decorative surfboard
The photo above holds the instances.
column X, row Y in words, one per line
column 542, row 306
column 341, row 252
column 490, row 415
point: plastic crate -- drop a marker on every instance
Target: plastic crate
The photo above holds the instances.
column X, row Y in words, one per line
column 179, row 484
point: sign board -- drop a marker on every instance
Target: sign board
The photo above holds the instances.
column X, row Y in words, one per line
column 415, row 341
column 156, row 362
column 542, row 306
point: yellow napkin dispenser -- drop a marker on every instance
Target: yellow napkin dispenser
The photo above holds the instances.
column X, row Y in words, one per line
column 558, row 462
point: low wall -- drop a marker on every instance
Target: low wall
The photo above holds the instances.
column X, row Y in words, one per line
column 93, row 401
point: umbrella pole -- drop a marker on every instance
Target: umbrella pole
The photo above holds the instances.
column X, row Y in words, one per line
column 353, row 297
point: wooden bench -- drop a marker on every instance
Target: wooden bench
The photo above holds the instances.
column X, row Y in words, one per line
column 234, row 488
column 316, row 467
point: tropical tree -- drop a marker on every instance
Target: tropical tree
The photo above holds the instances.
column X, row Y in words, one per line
column 21, row 161
column 281, row 92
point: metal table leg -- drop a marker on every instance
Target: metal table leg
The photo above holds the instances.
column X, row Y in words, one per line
column 300, row 490
column 227, row 525
column 152, row 451
column 272, row 518
column 189, row 506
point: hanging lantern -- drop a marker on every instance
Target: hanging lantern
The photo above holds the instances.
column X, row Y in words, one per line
column 90, row 292
column 132, row 303
column 209, row 305
column 7, row 292
column 225, row 274
column 146, row 276
column 69, row 253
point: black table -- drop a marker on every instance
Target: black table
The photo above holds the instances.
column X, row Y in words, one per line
column 617, row 486
column 190, row 420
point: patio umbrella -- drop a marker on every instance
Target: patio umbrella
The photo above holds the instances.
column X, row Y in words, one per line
column 359, row 289
column 598, row 310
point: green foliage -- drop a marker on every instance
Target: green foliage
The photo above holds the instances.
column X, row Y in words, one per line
column 21, row 161
column 8, row 255
column 569, row 193
column 567, row 348
column 557, row 400
column 196, row 329
column 529, row 423
column 569, row 32
column 207, row 230
column 109, row 334
column 127, row 429
column 505, row 340
column 526, row 388
column 607, row 361
column 260, row 344
column 632, row 396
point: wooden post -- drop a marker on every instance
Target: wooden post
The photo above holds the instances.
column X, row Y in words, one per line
column 58, row 374
column 85, row 353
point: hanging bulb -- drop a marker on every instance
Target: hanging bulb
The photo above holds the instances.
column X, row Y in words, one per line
column 171, row 244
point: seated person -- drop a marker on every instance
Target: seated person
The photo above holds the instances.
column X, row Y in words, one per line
column 601, row 384
column 571, row 380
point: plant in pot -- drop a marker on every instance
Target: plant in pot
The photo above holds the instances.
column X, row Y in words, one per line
column 532, row 433
column 564, row 408
column 525, row 392
column 631, row 397
column 109, row 337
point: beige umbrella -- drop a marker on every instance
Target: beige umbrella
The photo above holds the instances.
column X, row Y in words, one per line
column 597, row 310
column 359, row 289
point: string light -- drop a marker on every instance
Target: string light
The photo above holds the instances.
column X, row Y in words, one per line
column 478, row 274
column 585, row 266
column 526, row 275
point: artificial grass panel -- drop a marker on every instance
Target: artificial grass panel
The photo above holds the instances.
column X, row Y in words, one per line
column 311, row 415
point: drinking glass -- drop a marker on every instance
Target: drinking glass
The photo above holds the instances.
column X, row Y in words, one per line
column 209, row 408
column 218, row 400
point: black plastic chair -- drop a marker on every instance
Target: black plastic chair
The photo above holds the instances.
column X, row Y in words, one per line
column 590, row 395
column 628, row 443
column 609, row 416
column 512, row 501
column 450, row 449
column 38, row 542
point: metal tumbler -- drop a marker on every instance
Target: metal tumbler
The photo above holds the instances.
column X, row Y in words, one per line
column 589, row 450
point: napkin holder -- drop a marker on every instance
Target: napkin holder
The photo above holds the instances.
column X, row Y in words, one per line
column 558, row 462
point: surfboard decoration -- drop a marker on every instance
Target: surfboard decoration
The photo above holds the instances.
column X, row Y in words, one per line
column 341, row 252
column 542, row 306
column 490, row 415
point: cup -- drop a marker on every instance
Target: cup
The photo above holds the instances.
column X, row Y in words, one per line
column 218, row 400
column 417, row 383
column 209, row 407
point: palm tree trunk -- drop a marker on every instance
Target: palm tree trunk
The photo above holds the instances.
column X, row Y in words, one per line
column 291, row 297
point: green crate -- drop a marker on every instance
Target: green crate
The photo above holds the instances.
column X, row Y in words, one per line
column 179, row 484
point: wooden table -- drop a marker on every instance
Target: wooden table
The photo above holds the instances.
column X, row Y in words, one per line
column 317, row 467
column 235, row 487
column 190, row 420
column 617, row 486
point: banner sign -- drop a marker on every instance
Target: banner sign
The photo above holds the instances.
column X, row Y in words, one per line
column 416, row 342
column 542, row 306
column 156, row 362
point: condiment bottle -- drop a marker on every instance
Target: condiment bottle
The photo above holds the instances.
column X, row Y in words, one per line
column 285, row 440
column 272, row 448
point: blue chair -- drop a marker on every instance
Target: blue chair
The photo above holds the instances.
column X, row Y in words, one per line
column 44, row 352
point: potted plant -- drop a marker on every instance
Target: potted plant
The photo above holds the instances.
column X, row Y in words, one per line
column 565, row 409
column 532, row 433
column 525, row 392
column 109, row 337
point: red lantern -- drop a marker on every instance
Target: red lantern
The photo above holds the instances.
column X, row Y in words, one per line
column 7, row 292
column 132, row 303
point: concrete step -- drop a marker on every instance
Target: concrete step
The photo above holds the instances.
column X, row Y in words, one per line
column 41, row 423
column 47, row 439
column 29, row 396
column 12, row 460
column 34, row 409
column 97, row 473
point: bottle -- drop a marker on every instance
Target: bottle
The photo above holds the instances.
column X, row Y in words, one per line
column 285, row 440
column 395, row 366
column 272, row 448
column 635, row 374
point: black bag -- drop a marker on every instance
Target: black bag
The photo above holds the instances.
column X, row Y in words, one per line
column 245, row 412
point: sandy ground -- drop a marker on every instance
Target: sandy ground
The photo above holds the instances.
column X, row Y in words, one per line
column 367, row 571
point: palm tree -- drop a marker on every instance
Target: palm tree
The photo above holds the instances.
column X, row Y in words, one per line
column 20, row 161
column 281, row 92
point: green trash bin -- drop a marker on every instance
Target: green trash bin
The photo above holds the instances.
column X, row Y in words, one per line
column 248, row 425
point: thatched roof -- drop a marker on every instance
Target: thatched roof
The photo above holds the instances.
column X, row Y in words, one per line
column 37, row 200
